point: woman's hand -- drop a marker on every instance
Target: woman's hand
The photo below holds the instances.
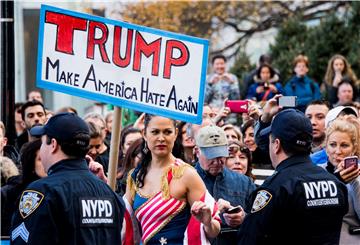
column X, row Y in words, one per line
column 260, row 89
column 222, row 114
column 139, row 123
column 273, row 88
column 348, row 174
column 255, row 110
column 202, row 212
column 337, row 79
column 270, row 109
column 96, row 168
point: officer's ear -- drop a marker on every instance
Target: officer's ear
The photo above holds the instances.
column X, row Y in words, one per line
column 53, row 143
column 277, row 147
column 56, row 145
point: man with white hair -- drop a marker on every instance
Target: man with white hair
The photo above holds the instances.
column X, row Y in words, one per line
column 229, row 188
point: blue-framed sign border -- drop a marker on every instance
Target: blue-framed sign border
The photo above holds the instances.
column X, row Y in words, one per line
column 119, row 101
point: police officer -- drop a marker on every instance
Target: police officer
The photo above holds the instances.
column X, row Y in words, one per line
column 71, row 205
column 300, row 203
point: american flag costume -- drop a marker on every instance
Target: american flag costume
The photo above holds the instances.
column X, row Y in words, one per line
column 150, row 220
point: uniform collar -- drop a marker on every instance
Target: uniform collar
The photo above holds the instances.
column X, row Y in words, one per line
column 68, row 164
column 293, row 160
column 330, row 167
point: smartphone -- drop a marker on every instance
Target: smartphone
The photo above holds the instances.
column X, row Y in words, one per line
column 350, row 161
column 238, row 106
column 287, row 101
column 354, row 230
column 233, row 210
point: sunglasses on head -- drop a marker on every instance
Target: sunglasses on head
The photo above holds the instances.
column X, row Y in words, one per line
column 236, row 149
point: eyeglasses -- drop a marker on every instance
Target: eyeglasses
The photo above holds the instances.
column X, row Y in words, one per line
column 236, row 149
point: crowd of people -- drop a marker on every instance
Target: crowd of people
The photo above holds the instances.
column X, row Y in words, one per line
column 271, row 174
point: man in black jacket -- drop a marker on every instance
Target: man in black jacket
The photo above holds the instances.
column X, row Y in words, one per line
column 71, row 205
column 300, row 203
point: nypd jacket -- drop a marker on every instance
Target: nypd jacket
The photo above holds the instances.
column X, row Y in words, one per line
column 70, row 206
column 299, row 204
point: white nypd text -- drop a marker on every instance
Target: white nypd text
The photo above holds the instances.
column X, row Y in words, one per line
column 321, row 193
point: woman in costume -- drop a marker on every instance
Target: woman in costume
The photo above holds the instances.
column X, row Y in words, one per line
column 167, row 201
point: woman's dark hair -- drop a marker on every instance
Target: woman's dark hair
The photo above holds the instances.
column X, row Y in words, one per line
column 246, row 125
column 147, row 154
column 128, row 163
column 178, row 150
column 258, row 71
column 27, row 159
column 247, row 152
column 125, row 132
column 129, row 129
column 134, row 150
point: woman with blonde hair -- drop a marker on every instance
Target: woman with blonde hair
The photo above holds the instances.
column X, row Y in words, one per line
column 339, row 69
column 343, row 140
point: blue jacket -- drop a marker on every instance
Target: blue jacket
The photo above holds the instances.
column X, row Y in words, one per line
column 232, row 187
column 304, row 88
column 259, row 97
column 319, row 157
column 228, row 185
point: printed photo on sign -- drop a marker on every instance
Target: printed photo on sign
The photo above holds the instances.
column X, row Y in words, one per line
column 97, row 211
column 29, row 202
column 123, row 64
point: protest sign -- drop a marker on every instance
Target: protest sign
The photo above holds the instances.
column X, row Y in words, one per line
column 123, row 64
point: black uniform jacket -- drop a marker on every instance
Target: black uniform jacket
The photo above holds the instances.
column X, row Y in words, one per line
column 70, row 206
column 299, row 204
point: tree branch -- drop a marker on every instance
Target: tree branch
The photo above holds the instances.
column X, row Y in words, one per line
column 276, row 18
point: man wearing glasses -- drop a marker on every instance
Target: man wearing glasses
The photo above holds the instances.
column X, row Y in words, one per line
column 229, row 188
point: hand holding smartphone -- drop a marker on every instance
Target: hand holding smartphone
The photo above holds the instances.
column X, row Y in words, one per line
column 233, row 210
column 350, row 161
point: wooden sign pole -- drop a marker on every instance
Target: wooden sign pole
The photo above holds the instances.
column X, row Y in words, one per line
column 114, row 147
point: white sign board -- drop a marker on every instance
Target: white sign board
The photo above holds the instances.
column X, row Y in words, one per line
column 123, row 64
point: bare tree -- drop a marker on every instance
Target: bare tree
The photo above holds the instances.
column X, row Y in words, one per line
column 207, row 18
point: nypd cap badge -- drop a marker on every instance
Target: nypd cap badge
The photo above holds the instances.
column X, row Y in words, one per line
column 261, row 200
column 30, row 200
